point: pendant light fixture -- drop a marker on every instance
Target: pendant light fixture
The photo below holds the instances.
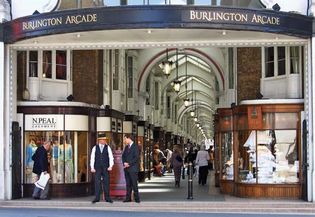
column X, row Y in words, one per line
column 167, row 65
column 177, row 82
column 192, row 112
column 196, row 113
column 186, row 100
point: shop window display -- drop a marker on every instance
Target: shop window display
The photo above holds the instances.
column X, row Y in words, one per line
column 141, row 152
column 67, row 157
column 269, row 157
column 227, row 156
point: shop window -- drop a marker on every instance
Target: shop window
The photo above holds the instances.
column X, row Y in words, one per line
column 269, row 157
column 47, row 64
column 269, row 62
column 33, row 64
column 281, row 60
column 68, row 160
column 61, row 65
column 295, row 60
column 227, row 155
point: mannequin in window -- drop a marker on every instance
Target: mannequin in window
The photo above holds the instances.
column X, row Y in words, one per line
column 68, row 163
column 30, row 150
column 54, row 162
column 291, row 154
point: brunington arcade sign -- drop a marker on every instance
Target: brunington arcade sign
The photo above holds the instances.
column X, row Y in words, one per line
column 234, row 17
column 174, row 16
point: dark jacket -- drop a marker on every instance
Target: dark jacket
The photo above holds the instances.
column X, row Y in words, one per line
column 131, row 156
column 40, row 160
column 176, row 160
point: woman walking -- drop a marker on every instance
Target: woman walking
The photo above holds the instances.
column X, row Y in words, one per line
column 202, row 161
column 177, row 163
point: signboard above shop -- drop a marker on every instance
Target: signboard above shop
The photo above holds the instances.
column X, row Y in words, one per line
column 136, row 17
column 27, row 8
column 44, row 122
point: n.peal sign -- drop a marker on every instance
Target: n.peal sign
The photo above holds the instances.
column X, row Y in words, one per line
column 44, row 122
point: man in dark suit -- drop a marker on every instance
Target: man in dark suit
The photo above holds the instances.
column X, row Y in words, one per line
column 130, row 158
column 40, row 159
column 101, row 163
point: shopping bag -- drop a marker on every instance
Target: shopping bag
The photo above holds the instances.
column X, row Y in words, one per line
column 42, row 181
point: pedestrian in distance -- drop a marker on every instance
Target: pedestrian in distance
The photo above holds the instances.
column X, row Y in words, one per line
column 177, row 164
column 202, row 161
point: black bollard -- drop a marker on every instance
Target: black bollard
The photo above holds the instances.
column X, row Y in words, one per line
column 190, row 182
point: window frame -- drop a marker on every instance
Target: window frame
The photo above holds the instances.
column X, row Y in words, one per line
column 287, row 60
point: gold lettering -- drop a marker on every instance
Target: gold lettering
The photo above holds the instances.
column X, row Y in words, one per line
column 68, row 20
column 205, row 16
column 25, row 27
column 36, row 24
column 219, row 16
column 82, row 19
column 192, row 15
column 265, row 20
column 226, row 17
column 254, row 19
column 73, row 20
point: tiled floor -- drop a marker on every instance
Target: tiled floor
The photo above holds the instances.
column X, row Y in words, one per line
column 163, row 189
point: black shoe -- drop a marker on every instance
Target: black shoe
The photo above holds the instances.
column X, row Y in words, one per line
column 126, row 201
column 137, row 201
column 95, row 201
column 36, row 198
column 109, row 201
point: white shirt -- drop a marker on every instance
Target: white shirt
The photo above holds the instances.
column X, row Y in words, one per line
column 202, row 158
column 110, row 156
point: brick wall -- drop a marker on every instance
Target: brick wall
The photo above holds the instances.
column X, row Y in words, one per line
column 87, row 76
column 248, row 73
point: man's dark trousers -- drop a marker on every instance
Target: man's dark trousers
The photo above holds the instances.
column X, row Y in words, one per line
column 131, row 183
column 102, row 172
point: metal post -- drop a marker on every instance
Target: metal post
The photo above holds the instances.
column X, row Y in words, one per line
column 190, row 181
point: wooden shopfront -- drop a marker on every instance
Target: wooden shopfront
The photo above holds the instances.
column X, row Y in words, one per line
column 265, row 158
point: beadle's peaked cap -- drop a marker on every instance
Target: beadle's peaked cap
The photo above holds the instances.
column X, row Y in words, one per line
column 101, row 136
